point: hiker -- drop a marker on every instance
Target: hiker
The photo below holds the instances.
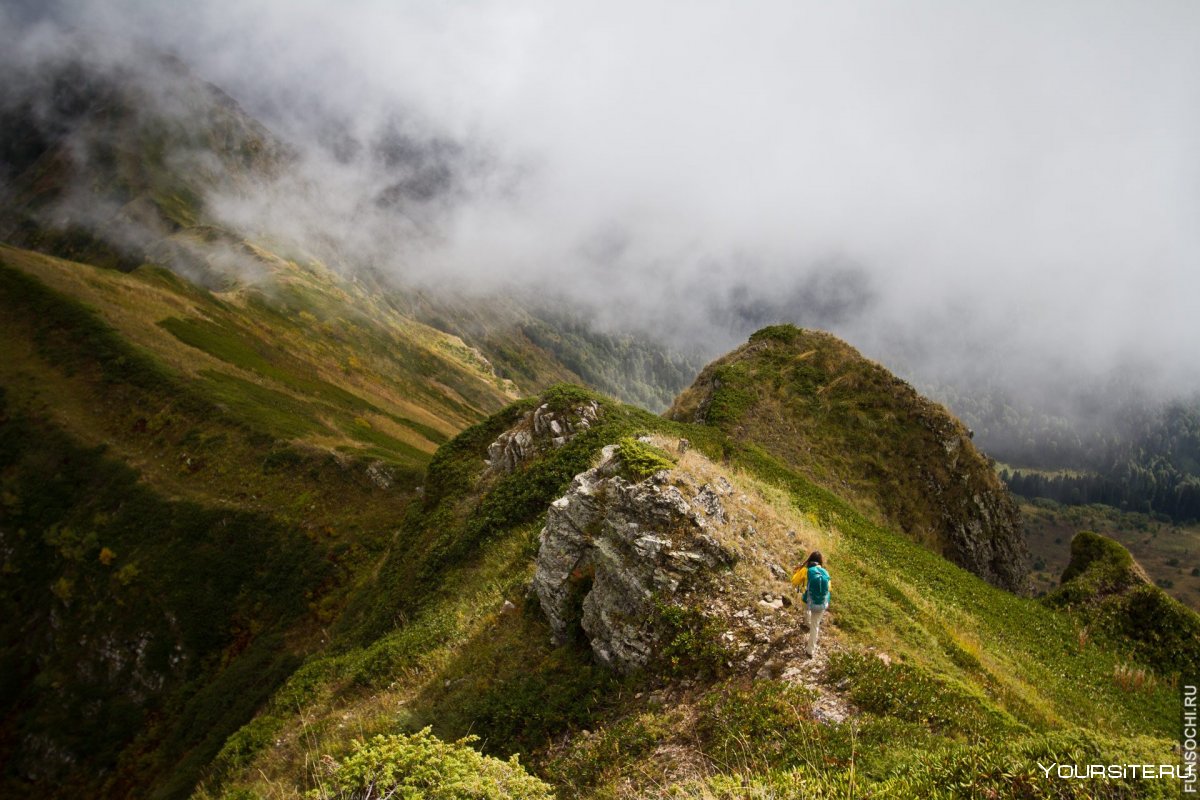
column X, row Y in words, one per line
column 813, row 580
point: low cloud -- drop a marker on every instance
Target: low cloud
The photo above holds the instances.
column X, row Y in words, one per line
column 1002, row 195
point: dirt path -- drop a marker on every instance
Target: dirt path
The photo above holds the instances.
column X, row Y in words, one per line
column 789, row 661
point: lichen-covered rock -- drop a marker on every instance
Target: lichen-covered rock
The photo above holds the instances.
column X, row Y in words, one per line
column 380, row 475
column 539, row 428
column 612, row 548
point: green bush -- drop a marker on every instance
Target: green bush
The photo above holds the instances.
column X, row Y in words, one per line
column 524, row 704
column 380, row 661
column 641, row 460
column 1093, row 553
column 422, row 767
column 593, row 758
column 785, row 333
column 760, row 724
column 246, row 742
column 689, row 643
column 941, row 769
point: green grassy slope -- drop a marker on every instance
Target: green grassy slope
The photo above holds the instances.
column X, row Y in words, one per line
column 137, row 630
column 302, row 401
column 979, row 685
column 848, row 424
column 191, row 484
column 298, row 359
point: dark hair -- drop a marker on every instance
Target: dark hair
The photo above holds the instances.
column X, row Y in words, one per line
column 815, row 558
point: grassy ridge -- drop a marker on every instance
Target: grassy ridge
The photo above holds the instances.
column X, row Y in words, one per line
column 846, row 423
column 981, row 685
column 223, row 415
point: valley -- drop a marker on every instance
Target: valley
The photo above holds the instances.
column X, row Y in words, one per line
column 1169, row 552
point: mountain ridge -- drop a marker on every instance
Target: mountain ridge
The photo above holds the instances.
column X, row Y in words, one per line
column 815, row 402
column 918, row 650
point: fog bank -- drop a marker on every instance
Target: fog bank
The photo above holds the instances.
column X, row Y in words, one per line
column 1000, row 194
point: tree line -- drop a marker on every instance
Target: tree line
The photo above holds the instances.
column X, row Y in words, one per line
column 1156, row 470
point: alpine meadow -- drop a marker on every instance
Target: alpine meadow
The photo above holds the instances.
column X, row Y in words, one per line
column 712, row 401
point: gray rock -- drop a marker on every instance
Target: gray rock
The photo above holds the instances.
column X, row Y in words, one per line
column 610, row 547
column 379, row 475
column 707, row 500
column 537, row 430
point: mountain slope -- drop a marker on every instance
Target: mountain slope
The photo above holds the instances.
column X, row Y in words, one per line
column 192, row 482
column 105, row 158
column 117, row 164
column 851, row 426
column 931, row 682
column 206, row 444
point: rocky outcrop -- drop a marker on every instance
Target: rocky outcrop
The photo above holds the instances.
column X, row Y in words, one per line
column 975, row 520
column 612, row 549
column 380, row 475
column 984, row 536
column 540, row 428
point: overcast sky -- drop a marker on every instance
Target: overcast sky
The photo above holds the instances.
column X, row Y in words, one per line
column 1009, row 183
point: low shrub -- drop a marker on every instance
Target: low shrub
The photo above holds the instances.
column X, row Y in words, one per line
column 915, row 695
column 422, row 767
column 689, row 643
column 641, row 460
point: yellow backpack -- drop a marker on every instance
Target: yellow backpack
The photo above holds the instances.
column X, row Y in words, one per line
column 800, row 578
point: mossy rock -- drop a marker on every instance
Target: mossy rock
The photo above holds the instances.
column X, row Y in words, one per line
column 1112, row 595
column 1091, row 552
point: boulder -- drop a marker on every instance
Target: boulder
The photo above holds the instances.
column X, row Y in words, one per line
column 613, row 549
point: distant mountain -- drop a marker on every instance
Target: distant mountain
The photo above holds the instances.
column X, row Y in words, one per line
column 1151, row 468
column 110, row 165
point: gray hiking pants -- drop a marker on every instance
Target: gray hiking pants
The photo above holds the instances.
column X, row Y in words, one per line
column 814, row 626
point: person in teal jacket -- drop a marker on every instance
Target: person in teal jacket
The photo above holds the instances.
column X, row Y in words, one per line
column 814, row 580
